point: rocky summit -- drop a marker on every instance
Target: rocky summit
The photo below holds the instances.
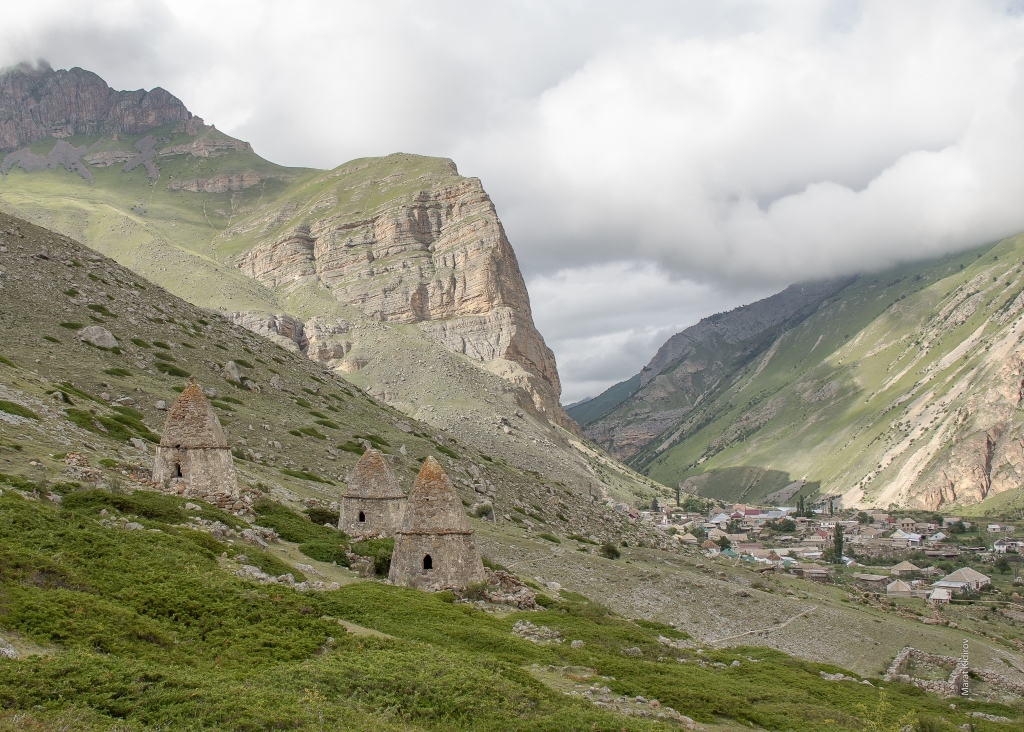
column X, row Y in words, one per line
column 38, row 102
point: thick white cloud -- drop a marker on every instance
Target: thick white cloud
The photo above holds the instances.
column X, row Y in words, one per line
column 652, row 162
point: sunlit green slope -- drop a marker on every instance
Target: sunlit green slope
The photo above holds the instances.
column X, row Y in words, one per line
column 904, row 388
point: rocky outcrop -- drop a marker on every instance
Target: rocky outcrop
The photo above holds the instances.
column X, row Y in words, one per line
column 432, row 254
column 219, row 183
column 323, row 339
column 38, row 102
column 691, row 363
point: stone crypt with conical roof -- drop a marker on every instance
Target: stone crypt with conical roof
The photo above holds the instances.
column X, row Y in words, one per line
column 193, row 456
column 373, row 504
column 435, row 548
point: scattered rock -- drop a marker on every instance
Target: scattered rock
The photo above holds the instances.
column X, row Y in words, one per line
column 161, row 405
column 7, row 650
column 233, row 372
column 98, row 336
column 542, row 635
column 632, row 651
column 577, row 644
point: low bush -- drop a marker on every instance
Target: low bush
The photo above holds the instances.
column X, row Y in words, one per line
column 17, row 410
column 381, row 551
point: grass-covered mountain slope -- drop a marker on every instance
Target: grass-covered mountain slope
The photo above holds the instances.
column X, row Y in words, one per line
column 148, row 629
column 903, row 388
column 297, row 437
column 393, row 272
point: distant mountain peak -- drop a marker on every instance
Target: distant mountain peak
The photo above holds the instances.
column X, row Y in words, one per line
column 37, row 102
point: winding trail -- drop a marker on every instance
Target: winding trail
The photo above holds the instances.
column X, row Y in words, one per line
column 780, row 626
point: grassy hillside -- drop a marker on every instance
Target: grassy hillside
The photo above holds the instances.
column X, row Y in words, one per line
column 297, row 437
column 148, row 629
column 877, row 396
column 613, row 396
column 185, row 240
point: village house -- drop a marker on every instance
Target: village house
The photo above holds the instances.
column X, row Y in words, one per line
column 899, row 588
column 940, row 596
column 903, row 539
column 1002, row 546
column 812, row 572
column 907, row 524
column 904, row 569
column 963, row 580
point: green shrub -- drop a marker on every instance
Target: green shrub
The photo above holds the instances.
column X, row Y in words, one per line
column 325, row 551
column 101, row 310
column 445, row 450
column 550, row 537
column 328, row 424
column 292, row 526
column 322, row 516
column 140, row 343
column 117, row 372
column 496, row 566
column 381, row 551
column 666, row 630
column 161, row 344
column 375, row 440
column 582, row 539
column 354, row 447
column 72, row 326
column 51, row 339
column 312, row 432
column 17, row 410
column 244, row 364
column 71, row 292
column 171, row 370
column 609, row 551
column 7, row 362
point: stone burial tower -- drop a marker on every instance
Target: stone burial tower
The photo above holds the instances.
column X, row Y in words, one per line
column 372, row 504
column 193, row 457
column 435, row 548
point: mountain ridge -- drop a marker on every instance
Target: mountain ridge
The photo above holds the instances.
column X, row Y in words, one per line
column 182, row 204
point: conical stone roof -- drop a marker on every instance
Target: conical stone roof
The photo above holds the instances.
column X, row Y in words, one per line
column 434, row 506
column 191, row 423
column 372, row 478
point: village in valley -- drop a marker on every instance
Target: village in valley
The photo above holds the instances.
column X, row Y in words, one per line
column 934, row 558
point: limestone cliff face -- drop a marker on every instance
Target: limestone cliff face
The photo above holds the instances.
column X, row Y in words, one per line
column 432, row 253
column 38, row 102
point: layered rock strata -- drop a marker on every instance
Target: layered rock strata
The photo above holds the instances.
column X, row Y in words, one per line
column 437, row 257
column 38, row 102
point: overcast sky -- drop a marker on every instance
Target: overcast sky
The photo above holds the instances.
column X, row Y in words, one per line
column 653, row 162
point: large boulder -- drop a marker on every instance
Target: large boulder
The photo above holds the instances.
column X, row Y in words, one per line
column 98, row 336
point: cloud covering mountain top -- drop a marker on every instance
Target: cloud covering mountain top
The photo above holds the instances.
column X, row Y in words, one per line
column 652, row 163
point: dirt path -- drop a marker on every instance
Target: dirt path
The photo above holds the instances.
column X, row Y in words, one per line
column 778, row 626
